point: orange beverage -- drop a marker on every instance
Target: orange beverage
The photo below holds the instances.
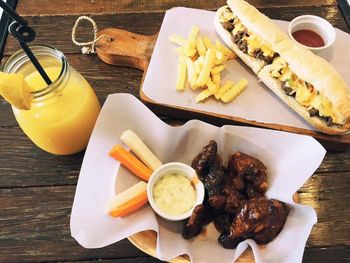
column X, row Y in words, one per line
column 63, row 114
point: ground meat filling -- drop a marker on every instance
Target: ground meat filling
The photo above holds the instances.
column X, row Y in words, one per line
column 259, row 54
column 237, row 37
column 288, row 90
column 315, row 113
column 269, row 59
column 328, row 120
column 228, row 26
column 243, row 45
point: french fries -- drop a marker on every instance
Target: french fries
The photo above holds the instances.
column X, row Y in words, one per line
column 228, row 85
column 201, row 63
column 200, row 46
column 191, row 73
column 234, row 91
column 207, row 66
column 203, row 95
column 181, row 79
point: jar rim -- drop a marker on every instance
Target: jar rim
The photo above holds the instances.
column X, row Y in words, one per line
column 21, row 57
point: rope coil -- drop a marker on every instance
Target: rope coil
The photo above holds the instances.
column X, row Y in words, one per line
column 87, row 47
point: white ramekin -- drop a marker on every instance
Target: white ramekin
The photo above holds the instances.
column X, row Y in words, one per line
column 181, row 168
column 316, row 24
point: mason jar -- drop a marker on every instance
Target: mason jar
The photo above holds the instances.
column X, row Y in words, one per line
column 63, row 114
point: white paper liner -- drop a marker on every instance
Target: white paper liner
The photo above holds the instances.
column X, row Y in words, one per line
column 256, row 103
column 290, row 160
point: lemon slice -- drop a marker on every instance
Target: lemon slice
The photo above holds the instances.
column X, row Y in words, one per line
column 15, row 90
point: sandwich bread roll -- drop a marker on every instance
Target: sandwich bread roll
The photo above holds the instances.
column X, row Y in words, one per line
column 305, row 82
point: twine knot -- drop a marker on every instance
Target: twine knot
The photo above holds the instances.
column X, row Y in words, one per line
column 87, row 47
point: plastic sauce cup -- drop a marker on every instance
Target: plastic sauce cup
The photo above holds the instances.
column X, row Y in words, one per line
column 181, row 169
column 314, row 23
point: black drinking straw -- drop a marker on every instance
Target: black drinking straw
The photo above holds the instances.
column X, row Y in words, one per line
column 24, row 34
column 13, row 14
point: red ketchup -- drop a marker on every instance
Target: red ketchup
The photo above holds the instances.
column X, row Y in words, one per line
column 308, row 38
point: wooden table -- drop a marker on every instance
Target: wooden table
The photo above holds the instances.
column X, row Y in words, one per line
column 37, row 189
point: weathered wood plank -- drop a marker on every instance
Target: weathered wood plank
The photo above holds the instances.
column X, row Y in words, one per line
column 327, row 194
column 146, row 259
column 335, row 163
column 35, row 221
column 76, row 7
column 48, row 33
column 35, row 227
column 311, row 255
column 327, row 255
column 23, row 164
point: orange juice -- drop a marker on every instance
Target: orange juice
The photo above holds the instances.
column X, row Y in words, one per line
column 62, row 115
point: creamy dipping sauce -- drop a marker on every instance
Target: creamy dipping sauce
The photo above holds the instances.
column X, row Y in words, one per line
column 174, row 194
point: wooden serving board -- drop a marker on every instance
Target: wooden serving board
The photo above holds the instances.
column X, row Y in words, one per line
column 134, row 50
column 146, row 241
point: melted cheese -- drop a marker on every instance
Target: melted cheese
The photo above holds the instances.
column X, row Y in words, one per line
column 319, row 103
column 279, row 63
column 255, row 42
column 226, row 15
column 304, row 95
column 326, row 109
column 287, row 74
column 239, row 27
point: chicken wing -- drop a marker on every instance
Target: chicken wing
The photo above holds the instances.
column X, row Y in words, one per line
column 260, row 219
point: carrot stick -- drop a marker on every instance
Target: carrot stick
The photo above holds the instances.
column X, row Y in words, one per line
column 130, row 206
column 131, row 162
